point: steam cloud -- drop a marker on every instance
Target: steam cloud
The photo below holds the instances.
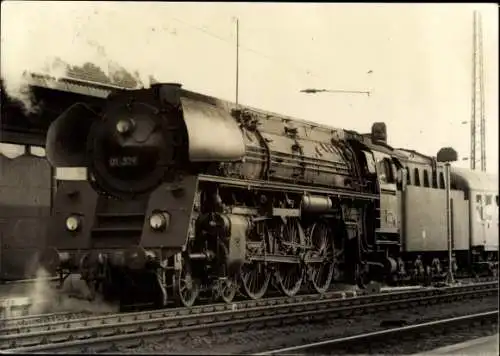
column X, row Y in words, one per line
column 46, row 298
column 67, row 47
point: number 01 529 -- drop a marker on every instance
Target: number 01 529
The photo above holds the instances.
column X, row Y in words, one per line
column 124, row 161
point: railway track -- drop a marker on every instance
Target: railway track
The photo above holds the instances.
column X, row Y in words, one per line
column 21, row 308
column 351, row 343
column 111, row 332
column 19, row 314
column 28, row 281
column 40, row 319
column 29, row 321
column 34, row 323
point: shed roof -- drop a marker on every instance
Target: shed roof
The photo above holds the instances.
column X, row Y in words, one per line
column 474, row 180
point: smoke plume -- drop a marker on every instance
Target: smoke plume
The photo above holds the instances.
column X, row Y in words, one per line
column 68, row 47
column 45, row 298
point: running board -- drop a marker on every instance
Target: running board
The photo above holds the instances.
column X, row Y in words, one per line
column 286, row 259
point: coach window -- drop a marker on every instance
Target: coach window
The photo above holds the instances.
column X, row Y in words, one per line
column 426, row 178
column 408, row 178
column 488, row 200
column 453, row 185
column 417, row 177
column 441, row 180
column 434, row 180
column 479, row 206
column 496, row 199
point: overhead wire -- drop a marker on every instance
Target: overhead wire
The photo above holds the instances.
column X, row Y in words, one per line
column 246, row 48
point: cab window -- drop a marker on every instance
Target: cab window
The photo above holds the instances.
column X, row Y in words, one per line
column 391, row 174
column 382, row 176
column 385, row 171
column 370, row 163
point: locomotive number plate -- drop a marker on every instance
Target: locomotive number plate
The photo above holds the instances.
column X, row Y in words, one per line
column 124, row 161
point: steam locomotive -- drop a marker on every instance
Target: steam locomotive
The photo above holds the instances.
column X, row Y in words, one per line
column 176, row 195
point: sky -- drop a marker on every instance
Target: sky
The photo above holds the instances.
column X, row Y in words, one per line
column 415, row 59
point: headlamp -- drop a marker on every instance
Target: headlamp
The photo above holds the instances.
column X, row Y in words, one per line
column 73, row 223
column 158, row 221
column 124, row 126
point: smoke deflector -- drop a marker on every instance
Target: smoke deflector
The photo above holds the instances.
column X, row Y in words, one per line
column 67, row 136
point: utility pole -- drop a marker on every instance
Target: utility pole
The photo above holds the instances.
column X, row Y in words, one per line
column 447, row 155
column 477, row 124
column 237, row 58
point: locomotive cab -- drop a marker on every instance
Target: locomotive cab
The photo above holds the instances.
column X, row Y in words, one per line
column 391, row 183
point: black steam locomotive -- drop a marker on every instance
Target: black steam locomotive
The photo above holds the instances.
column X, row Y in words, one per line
column 180, row 195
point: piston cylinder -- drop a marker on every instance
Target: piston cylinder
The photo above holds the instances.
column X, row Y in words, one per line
column 316, row 203
column 233, row 229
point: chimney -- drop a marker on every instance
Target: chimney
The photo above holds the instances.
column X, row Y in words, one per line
column 168, row 93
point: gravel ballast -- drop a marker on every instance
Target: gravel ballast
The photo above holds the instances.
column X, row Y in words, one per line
column 270, row 338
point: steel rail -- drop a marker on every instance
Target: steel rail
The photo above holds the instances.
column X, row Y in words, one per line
column 36, row 323
column 28, row 281
column 34, row 319
column 24, row 318
column 133, row 332
column 326, row 347
column 40, row 322
column 8, row 323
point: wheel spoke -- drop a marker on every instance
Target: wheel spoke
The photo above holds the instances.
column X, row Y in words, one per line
column 289, row 278
column 322, row 273
column 186, row 289
column 254, row 275
column 225, row 286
